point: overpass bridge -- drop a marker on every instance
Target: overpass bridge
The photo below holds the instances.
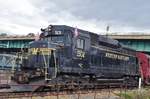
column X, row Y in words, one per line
column 138, row 42
column 8, row 48
column 15, row 41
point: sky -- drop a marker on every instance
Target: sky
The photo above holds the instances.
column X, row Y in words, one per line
column 28, row 16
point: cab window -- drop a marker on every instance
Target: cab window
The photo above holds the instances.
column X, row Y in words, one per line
column 80, row 43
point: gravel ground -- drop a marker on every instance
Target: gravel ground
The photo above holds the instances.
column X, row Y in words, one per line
column 89, row 95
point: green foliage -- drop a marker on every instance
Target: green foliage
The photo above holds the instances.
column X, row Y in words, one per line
column 125, row 95
column 142, row 94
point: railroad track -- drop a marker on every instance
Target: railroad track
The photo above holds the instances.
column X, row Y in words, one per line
column 59, row 90
column 30, row 95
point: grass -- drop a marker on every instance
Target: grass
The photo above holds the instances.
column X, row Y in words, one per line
column 135, row 94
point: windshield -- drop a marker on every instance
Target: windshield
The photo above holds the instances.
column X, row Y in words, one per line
column 57, row 38
column 65, row 39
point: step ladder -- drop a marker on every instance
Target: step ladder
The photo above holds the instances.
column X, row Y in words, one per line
column 49, row 70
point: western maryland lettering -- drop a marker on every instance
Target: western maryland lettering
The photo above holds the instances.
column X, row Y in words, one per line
column 44, row 51
column 116, row 56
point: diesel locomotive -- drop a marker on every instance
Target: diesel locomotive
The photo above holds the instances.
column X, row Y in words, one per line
column 64, row 54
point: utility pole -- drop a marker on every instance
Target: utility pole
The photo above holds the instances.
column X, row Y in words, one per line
column 107, row 30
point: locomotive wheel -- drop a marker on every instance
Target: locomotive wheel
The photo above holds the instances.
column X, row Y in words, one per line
column 22, row 79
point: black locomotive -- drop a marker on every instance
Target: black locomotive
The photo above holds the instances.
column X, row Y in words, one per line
column 66, row 54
